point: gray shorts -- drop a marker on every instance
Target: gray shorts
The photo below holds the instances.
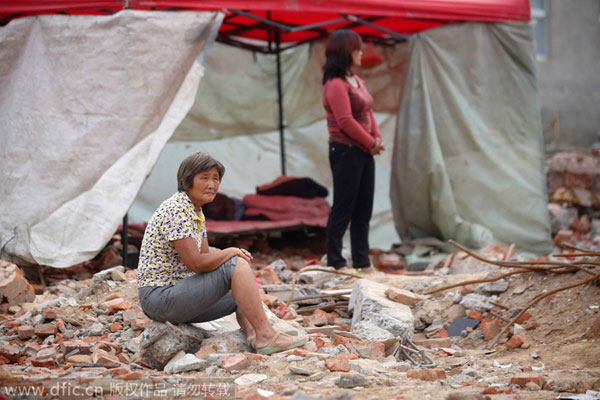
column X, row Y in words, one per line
column 199, row 298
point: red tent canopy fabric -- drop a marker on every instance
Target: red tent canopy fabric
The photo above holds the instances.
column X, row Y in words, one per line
column 402, row 17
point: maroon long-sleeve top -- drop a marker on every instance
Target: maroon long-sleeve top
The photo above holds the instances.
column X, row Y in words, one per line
column 350, row 118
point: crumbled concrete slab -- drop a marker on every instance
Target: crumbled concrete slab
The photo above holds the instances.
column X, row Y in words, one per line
column 372, row 309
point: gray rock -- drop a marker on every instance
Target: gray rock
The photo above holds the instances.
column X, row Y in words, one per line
column 561, row 218
column 494, row 287
column 477, row 302
column 280, row 268
column 299, row 370
column 351, row 379
column 38, row 319
column 217, row 358
column 97, row 329
column 229, row 342
column 188, row 362
column 334, row 351
column 317, row 278
column 369, row 331
column 317, row 376
column 161, row 342
column 370, row 304
column 48, row 341
column 340, row 395
column 300, row 395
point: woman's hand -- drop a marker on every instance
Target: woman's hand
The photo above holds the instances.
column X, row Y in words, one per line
column 243, row 253
column 378, row 147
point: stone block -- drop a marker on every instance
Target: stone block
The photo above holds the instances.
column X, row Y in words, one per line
column 476, row 302
column 14, row 287
column 228, row 342
column 370, row 304
column 160, row 342
column 188, row 362
column 351, row 380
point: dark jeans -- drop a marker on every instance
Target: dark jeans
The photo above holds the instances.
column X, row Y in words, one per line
column 353, row 173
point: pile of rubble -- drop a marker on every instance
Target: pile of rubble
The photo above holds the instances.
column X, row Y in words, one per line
column 370, row 337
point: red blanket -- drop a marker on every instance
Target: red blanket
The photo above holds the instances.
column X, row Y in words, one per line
column 280, row 208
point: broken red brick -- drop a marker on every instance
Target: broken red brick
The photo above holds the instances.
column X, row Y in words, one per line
column 474, row 315
column 130, row 314
column 205, row 351
column 115, row 326
column 523, row 317
column 80, row 359
column 139, row 324
column 426, row 374
column 319, row 318
column 490, row 328
column 319, row 342
column 403, row 296
column 343, row 340
column 267, row 299
column 515, row 342
column 268, row 276
column 124, row 358
column 531, row 325
column 70, row 345
column 523, row 379
column 370, row 350
column 45, row 363
column 44, row 330
column 338, row 364
column 117, row 372
column 10, row 352
column 133, row 376
column 235, row 362
column 442, row 333
column 26, row 332
column 51, row 313
column 100, row 356
column 116, row 305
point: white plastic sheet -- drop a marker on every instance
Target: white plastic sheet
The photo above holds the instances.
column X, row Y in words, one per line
column 468, row 152
column 86, row 105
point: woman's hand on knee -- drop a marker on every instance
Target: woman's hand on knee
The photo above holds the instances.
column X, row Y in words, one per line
column 242, row 253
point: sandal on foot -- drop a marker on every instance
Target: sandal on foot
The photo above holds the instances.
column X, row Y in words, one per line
column 252, row 343
column 271, row 347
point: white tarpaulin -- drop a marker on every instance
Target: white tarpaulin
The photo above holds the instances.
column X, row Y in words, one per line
column 86, row 105
column 468, row 152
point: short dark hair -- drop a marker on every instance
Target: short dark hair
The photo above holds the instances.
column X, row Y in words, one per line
column 338, row 52
column 194, row 164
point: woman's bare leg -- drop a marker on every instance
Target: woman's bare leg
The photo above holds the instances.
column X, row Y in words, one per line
column 245, row 325
column 245, row 295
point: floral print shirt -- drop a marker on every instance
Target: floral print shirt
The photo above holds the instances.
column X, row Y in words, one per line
column 160, row 265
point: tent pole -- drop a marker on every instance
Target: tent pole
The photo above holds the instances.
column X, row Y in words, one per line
column 280, row 101
column 124, row 240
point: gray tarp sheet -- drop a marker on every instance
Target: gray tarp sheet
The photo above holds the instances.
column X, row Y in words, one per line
column 86, row 105
column 468, row 152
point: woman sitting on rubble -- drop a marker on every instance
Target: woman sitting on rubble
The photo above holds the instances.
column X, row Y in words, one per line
column 180, row 281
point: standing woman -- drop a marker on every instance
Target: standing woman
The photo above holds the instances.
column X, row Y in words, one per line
column 354, row 139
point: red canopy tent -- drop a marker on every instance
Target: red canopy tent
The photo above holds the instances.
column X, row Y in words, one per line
column 271, row 26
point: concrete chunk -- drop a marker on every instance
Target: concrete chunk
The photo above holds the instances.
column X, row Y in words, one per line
column 161, row 342
column 375, row 314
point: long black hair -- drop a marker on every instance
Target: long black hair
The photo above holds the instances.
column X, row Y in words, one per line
column 339, row 50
